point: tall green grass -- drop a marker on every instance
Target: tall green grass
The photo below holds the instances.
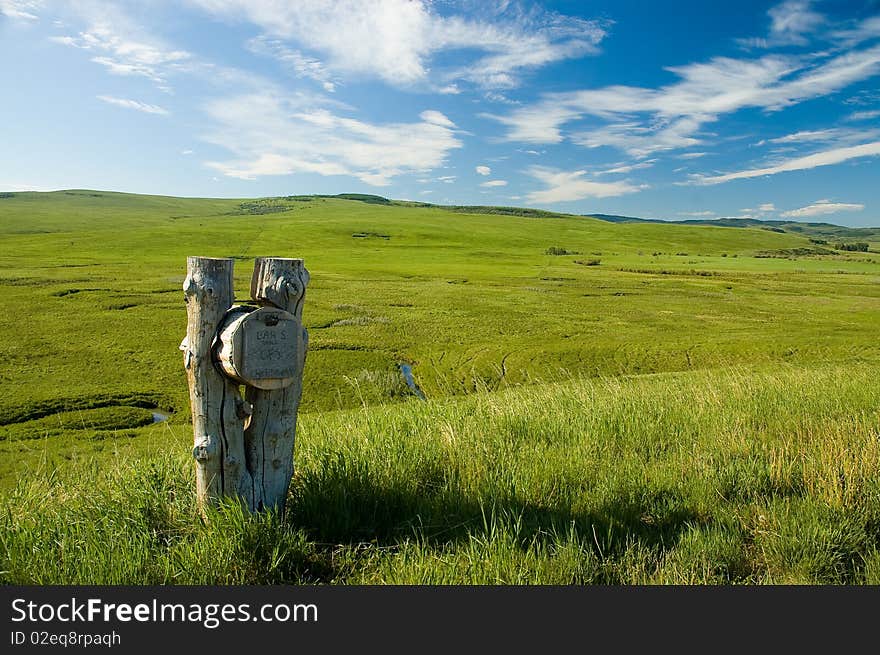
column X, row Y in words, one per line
column 742, row 476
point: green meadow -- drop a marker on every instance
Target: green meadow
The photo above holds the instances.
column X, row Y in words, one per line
column 612, row 403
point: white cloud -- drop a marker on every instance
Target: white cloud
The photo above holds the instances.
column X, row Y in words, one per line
column 494, row 183
column 823, row 158
column 447, row 179
column 703, row 214
column 397, row 40
column 867, row 29
column 639, row 140
column 20, row 9
column 528, row 41
column 186, row 152
column 692, row 155
column 483, row 170
column 836, row 135
column 293, row 60
column 538, row 123
column 627, row 168
column 808, row 135
column 757, row 212
column 790, row 24
column 792, row 20
column 864, row 115
column 641, row 121
column 272, row 134
column 436, row 117
column 122, row 47
column 823, row 207
column 136, row 105
column 563, row 186
column 494, row 96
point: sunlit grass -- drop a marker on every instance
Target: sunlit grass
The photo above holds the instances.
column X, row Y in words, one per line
column 735, row 477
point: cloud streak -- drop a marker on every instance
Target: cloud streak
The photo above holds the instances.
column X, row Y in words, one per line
column 20, row 9
column 566, row 186
column 135, row 104
column 293, row 60
column 823, row 208
column 817, row 159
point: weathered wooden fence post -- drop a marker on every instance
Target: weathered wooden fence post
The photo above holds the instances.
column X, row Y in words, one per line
column 243, row 447
column 279, row 283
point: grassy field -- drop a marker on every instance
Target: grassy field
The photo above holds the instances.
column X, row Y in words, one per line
column 611, row 403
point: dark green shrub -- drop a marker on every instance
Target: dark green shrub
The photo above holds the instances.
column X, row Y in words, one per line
column 858, row 246
column 558, row 250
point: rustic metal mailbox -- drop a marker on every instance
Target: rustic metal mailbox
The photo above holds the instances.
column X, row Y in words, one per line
column 243, row 444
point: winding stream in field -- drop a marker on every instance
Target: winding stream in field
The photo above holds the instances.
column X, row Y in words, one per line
column 406, row 370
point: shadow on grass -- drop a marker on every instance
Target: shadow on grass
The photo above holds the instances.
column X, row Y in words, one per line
column 340, row 506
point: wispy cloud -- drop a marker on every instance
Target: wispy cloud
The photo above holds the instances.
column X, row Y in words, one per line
column 122, row 47
column 398, row 40
column 822, row 208
column 136, row 105
column 702, row 214
column 793, row 19
column 864, row 115
column 293, row 60
column 791, row 23
column 837, row 135
column 483, row 170
column 494, row 96
column 271, row 134
column 20, row 9
column 807, row 135
column 436, row 117
column 761, row 211
column 642, row 121
column 864, row 30
column 494, row 183
column 822, row 158
column 619, row 169
column 564, row 186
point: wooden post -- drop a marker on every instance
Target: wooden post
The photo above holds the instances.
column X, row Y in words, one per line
column 269, row 438
column 244, row 446
column 217, row 406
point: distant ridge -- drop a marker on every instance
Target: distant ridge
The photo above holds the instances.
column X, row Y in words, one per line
column 813, row 229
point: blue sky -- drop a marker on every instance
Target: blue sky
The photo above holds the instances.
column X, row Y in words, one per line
column 657, row 109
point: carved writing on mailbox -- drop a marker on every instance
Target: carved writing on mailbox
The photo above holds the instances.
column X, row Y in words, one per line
column 269, row 352
column 261, row 348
